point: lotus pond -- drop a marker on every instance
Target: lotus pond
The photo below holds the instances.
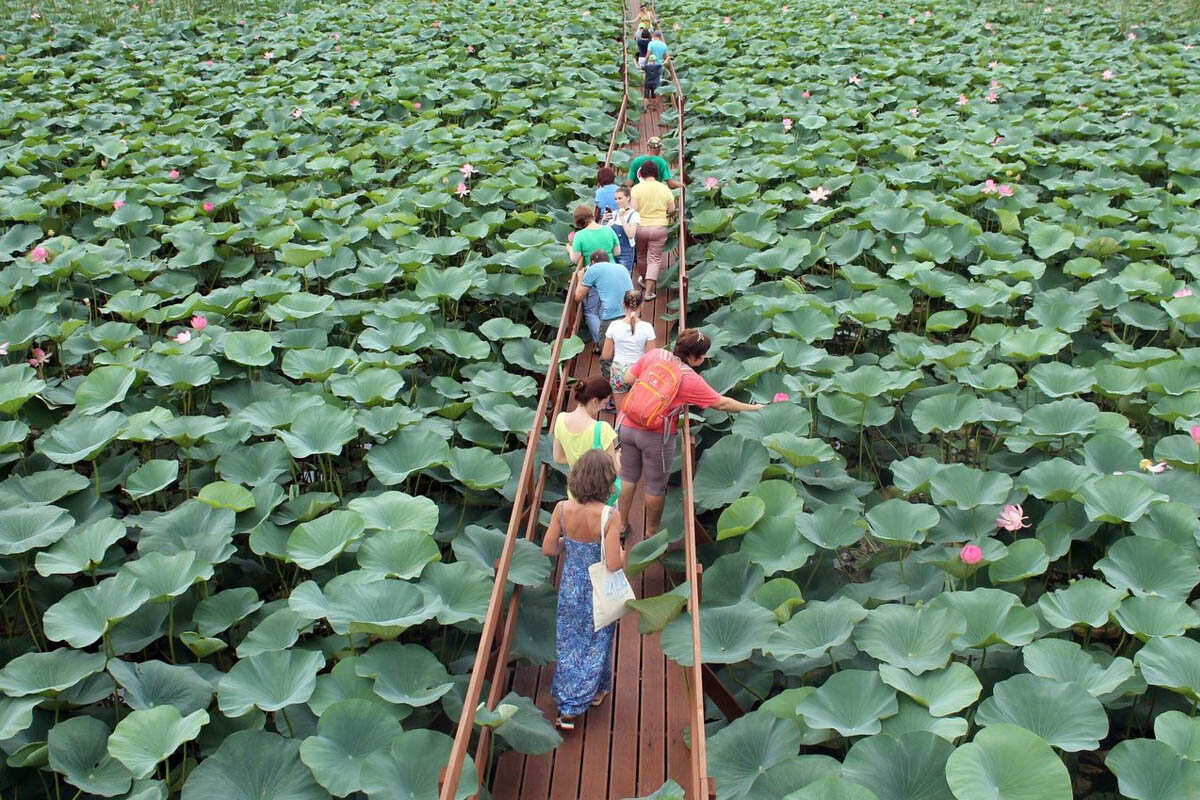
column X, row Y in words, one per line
column 286, row 284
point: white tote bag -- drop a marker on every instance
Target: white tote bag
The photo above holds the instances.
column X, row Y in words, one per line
column 610, row 590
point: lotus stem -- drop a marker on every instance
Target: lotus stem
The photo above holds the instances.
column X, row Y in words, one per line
column 291, row 731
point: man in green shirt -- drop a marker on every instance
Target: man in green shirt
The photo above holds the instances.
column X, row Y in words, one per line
column 654, row 145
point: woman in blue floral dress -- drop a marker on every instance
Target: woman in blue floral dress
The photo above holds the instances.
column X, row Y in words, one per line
column 583, row 674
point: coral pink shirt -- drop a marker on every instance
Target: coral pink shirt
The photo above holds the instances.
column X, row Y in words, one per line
column 693, row 390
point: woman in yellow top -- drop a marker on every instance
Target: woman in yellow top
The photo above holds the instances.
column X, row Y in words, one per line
column 655, row 204
column 579, row 430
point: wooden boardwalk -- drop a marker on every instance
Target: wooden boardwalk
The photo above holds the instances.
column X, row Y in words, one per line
column 630, row 745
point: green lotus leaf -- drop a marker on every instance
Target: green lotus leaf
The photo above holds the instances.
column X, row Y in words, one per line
column 1151, row 616
column 404, row 673
column 251, row 765
column 251, row 348
column 964, row 487
column 1152, row 770
column 162, row 576
column 647, row 551
column 478, row 468
column 222, row 494
column 917, row 639
column 397, row 553
column 144, row 738
column 814, row 629
column 1084, row 602
column 221, row 611
column 740, row 516
column 1063, row 660
column 526, row 728
column 902, row 522
column 1030, row 344
column 851, row 702
column 1146, row 566
column 779, row 596
column 831, row 527
column 323, row 429
column 481, row 547
column 728, row 634
column 48, row 673
column 728, row 470
column 28, row 527
column 943, row 691
column 1059, row 418
column 85, row 615
column 1172, row 663
column 1061, row 713
column 1007, row 762
column 746, row 748
column 1180, row 732
column 148, row 684
column 321, row 540
column 993, row 616
column 912, row 474
column 774, row 542
column 348, row 731
column 413, row 768
column 802, row 770
column 1055, row 479
column 18, row 383
column 1118, row 498
column 947, row 412
column 1025, row 559
column 655, row 612
column 359, row 603
column 77, row 750
column 462, row 590
column 103, row 387
column 80, row 438
column 269, row 681
column 16, row 714
column 397, row 511
column 410, row 450
column 153, row 476
column 901, row 768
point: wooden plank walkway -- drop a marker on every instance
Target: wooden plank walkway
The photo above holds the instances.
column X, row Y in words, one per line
column 629, row 746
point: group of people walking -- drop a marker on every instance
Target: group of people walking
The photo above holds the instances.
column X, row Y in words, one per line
column 617, row 240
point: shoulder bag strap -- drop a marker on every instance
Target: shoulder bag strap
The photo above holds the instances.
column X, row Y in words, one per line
column 603, row 525
column 596, row 440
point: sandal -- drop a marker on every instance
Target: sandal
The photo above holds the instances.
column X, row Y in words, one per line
column 564, row 723
column 599, row 699
column 649, row 297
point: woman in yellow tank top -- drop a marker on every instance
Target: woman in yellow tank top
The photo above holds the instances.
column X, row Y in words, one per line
column 580, row 429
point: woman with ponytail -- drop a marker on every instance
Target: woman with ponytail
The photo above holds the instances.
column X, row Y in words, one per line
column 579, row 430
column 627, row 340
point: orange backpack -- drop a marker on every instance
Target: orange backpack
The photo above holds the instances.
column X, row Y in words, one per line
column 649, row 400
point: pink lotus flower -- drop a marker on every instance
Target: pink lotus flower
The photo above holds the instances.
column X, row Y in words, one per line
column 117, row 204
column 417, row 105
column 857, row 81
column 854, row 17
column 914, row 112
column 38, row 356
column 997, row 140
column 785, row 9
column 173, row 174
column 726, row 20
column 3, row 348
column 912, row 20
column 989, row 187
column 993, row 64
column 354, row 103
column 963, row 100
column 468, row 170
column 242, row 22
column 208, row 206
column 780, row 397
column 970, row 554
column 992, row 97
column 995, row 84
column 269, row 55
column 587, row 13
column 1012, row 518
column 1107, row 75
column 711, row 183
column 462, row 190
column 1153, row 468
column 199, row 323
column 183, row 337
column 337, row 37
column 787, row 124
column 818, row 194
column 209, row 63
column 1131, row 36
column 437, row 23
column 1195, row 432
column 806, row 94
column 987, row 26
column 1004, row 190
column 39, row 255
column 928, row 13
column 297, row 113
column 470, row 48
column 675, row 27
column 1184, row 292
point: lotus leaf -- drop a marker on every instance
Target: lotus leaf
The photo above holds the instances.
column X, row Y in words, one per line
column 404, row 673
column 943, row 691
column 144, row 738
column 851, row 702
column 728, row 634
column 1007, row 762
column 1173, row 663
column 77, row 749
column 1152, row 770
column 1146, row 566
column 250, row 765
column 269, row 681
column 1063, row 660
column 916, row 639
column 347, row 733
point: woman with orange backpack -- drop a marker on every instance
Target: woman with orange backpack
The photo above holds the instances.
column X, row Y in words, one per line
column 661, row 384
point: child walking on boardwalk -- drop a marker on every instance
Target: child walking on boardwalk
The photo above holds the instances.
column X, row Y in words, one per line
column 653, row 70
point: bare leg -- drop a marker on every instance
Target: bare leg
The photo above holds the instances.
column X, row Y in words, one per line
column 625, row 501
column 654, row 511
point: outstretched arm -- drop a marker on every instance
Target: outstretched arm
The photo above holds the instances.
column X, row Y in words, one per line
column 735, row 406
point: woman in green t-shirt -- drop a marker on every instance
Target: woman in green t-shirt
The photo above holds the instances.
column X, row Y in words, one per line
column 590, row 236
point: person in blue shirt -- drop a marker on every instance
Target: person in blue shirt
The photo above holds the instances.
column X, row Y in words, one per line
column 606, row 193
column 601, row 289
column 658, row 47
